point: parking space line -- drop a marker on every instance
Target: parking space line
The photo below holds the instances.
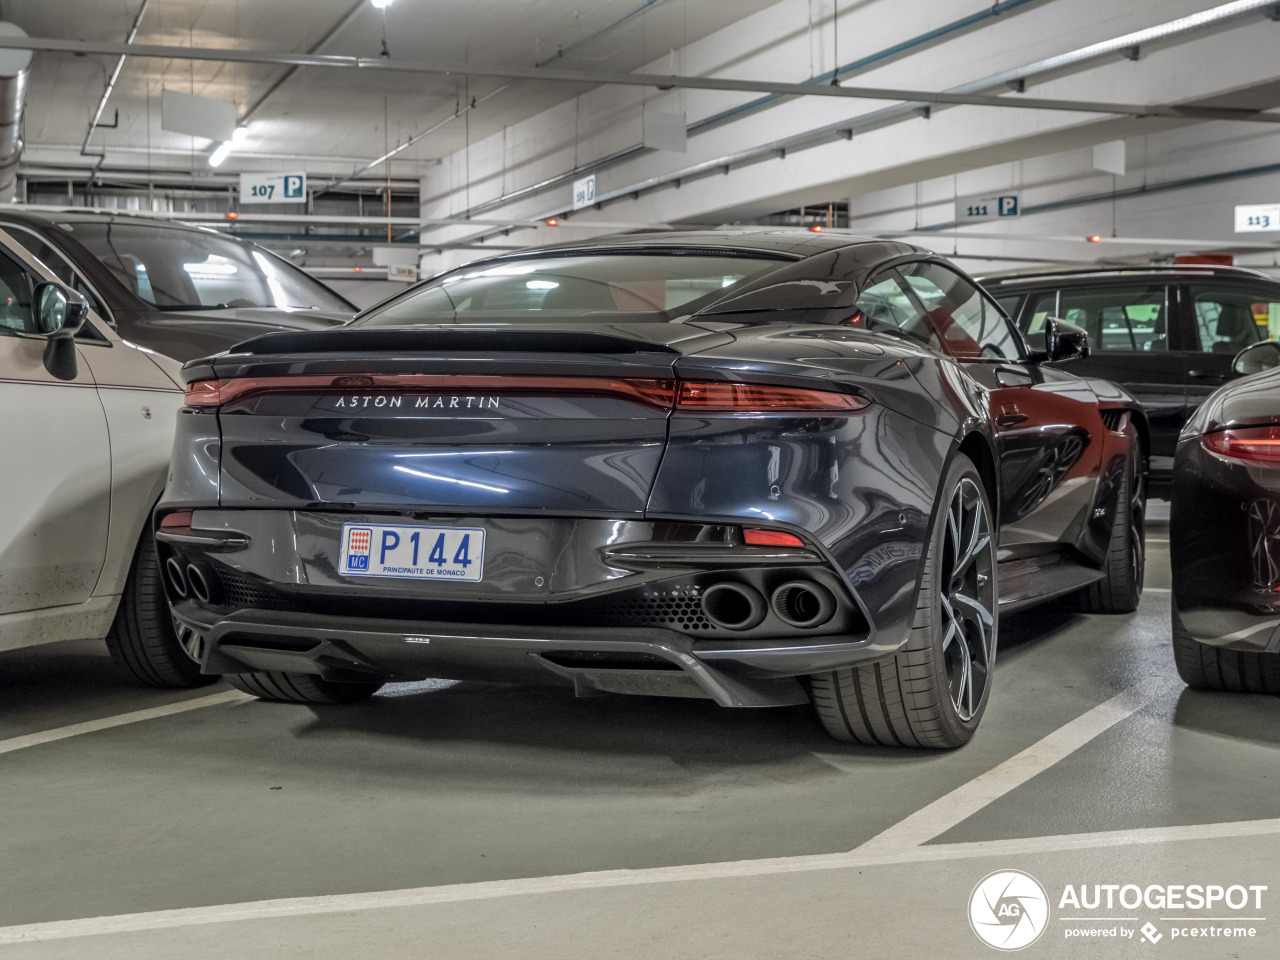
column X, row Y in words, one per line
column 966, row 800
column 119, row 720
column 567, row 883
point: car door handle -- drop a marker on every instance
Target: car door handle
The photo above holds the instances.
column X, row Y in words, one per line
column 1009, row 415
column 1208, row 376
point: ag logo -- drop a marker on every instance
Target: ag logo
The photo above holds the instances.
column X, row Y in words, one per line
column 1008, row 910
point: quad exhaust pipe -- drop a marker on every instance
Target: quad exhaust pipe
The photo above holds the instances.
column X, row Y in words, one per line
column 196, row 580
column 802, row 604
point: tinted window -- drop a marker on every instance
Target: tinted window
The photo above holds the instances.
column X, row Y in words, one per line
column 1010, row 303
column 1229, row 319
column 969, row 324
column 1131, row 318
column 633, row 285
column 172, row 267
column 15, row 297
column 885, row 304
column 58, row 265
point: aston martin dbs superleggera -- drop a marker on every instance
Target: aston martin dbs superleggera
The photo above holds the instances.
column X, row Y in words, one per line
column 762, row 467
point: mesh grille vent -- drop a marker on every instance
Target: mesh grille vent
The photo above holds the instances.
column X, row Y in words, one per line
column 680, row 608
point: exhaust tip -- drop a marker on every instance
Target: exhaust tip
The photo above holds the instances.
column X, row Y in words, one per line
column 732, row 606
column 205, row 585
column 177, row 577
column 804, row 604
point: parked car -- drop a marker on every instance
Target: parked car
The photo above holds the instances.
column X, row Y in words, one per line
column 84, row 449
column 1224, row 534
column 1168, row 335
column 739, row 465
column 182, row 291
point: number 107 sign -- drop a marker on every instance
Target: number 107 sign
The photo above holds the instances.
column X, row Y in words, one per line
column 273, row 188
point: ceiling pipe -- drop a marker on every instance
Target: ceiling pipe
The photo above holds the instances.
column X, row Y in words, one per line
column 658, row 81
column 106, row 95
column 14, row 69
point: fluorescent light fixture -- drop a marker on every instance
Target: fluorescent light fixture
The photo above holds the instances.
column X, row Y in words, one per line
column 541, row 284
column 381, row 4
column 223, row 150
column 220, row 153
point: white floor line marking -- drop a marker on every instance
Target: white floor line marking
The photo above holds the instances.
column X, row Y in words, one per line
column 498, row 889
column 966, row 800
column 137, row 716
column 1157, row 589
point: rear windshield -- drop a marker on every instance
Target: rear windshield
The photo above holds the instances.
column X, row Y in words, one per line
column 621, row 286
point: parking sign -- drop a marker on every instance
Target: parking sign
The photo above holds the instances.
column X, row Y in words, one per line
column 273, row 188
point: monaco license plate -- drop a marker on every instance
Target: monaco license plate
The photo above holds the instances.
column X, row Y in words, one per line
column 412, row 552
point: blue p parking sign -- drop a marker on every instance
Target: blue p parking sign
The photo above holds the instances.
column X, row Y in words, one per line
column 294, row 186
column 1008, row 206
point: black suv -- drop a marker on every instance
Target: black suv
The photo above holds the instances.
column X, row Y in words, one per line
column 1167, row 334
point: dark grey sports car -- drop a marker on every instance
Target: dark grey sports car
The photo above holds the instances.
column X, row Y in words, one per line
column 762, row 467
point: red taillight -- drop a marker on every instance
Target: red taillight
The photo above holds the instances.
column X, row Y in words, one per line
column 654, row 393
column 1246, row 443
column 204, row 393
column 770, row 538
column 717, row 397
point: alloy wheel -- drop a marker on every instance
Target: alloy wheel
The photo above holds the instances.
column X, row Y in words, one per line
column 968, row 598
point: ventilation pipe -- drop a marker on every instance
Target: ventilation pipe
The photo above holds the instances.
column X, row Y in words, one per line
column 14, row 70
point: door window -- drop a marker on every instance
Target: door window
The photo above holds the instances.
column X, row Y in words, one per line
column 57, row 264
column 886, row 305
column 1130, row 318
column 15, row 297
column 969, row 324
column 1229, row 319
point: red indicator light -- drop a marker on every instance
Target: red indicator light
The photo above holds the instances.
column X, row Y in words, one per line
column 816, row 228
column 1246, row 443
column 553, row 222
column 1094, row 239
column 232, row 215
column 770, row 538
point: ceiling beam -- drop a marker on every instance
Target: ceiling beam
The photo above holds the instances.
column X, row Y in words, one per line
column 658, row 81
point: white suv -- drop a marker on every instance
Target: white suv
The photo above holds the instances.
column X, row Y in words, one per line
column 85, row 437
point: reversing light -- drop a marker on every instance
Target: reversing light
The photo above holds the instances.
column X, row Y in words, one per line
column 770, row 538
column 723, row 397
column 1260, row 444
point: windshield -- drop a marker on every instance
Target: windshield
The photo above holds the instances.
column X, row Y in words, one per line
column 175, row 269
column 628, row 286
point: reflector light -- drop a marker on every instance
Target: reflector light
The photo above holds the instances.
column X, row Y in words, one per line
column 181, row 518
column 759, row 398
column 770, row 538
column 1246, row 443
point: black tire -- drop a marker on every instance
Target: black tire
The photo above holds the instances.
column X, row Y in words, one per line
column 1120, row 589
column 301, row 687
column 916, row 699
column 1207, row 667
column 143, row 640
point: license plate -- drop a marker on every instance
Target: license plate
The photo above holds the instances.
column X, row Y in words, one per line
column 411, row 552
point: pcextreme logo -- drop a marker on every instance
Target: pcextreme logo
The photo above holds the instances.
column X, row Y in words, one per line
column 1008, row 910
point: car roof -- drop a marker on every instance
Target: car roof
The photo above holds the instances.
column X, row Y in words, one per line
column 1084, row 277
column 776, row 241
column 51, row 217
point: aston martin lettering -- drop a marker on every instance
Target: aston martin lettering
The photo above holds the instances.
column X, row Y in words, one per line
column 420, row 403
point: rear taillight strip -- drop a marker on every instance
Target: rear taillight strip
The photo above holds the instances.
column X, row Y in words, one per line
column 1260, row 443
column 690, row 396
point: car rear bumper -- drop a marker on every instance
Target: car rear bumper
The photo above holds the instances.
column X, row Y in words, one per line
column 641, row 660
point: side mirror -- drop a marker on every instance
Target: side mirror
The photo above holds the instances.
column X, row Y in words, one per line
column 1264, row 355
column 1064, row 341
column 60, row 313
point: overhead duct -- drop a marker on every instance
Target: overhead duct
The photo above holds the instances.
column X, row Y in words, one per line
column 14, row 69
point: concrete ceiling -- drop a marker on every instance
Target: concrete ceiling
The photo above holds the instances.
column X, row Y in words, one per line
column 334, row 119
